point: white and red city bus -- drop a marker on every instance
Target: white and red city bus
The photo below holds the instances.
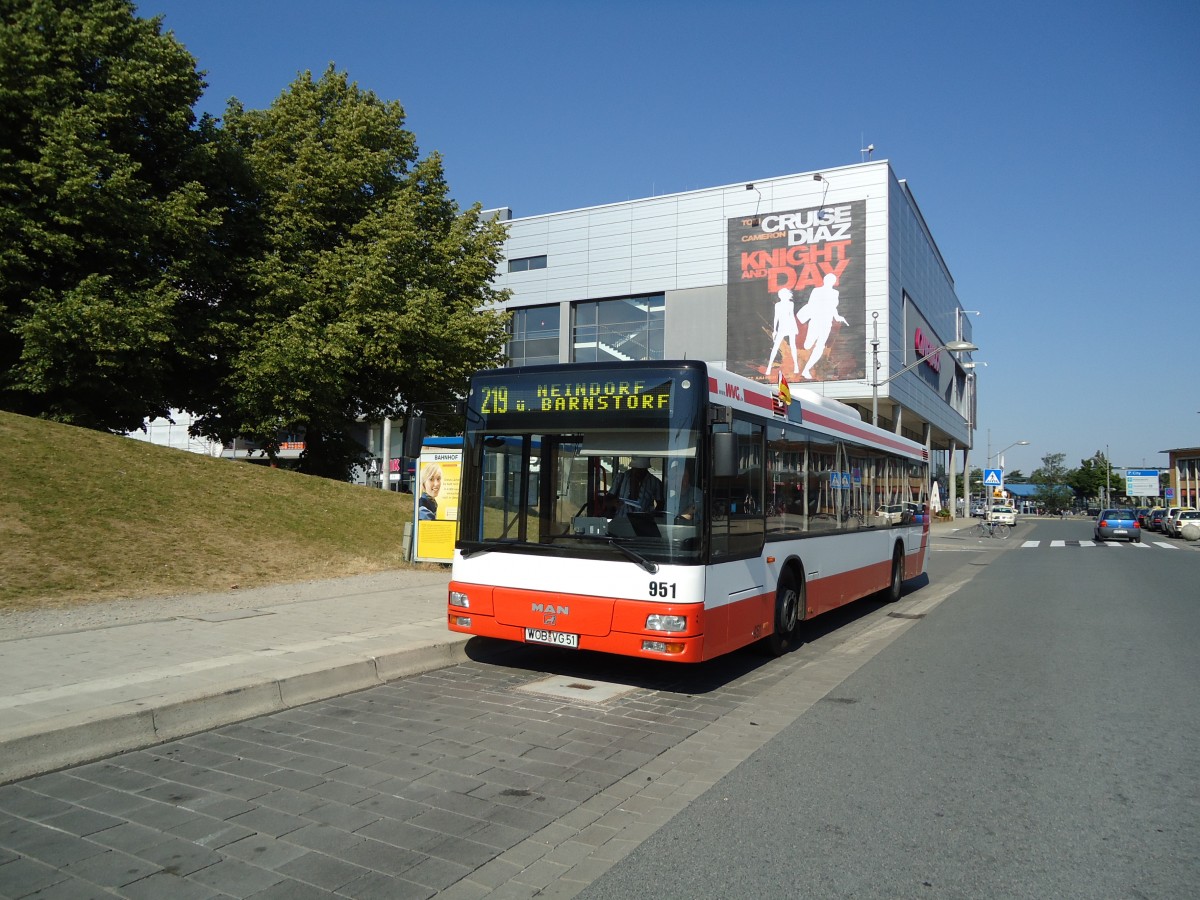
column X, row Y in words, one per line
column 793, row 509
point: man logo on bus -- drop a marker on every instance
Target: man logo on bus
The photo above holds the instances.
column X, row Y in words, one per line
column 550, row 612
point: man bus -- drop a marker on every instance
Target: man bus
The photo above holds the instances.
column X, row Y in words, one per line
column 766, row 514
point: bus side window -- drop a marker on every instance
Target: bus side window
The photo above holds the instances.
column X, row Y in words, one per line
column 738, row 526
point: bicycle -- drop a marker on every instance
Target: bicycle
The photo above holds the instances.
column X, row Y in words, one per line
column 991, row 530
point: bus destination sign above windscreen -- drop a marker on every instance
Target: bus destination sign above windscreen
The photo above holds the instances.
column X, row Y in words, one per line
column 575, row 403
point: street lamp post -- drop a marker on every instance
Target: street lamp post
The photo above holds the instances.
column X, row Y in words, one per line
column 1000, row 453
column 952, row 346
column 958, row 317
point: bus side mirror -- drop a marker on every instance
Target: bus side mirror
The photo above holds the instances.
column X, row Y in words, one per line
column 725, row 454
column 414, row 435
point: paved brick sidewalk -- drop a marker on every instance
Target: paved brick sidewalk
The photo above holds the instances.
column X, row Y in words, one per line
column 184, row 665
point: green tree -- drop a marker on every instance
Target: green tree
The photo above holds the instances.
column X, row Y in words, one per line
column 100, row 215
column 368, row 292
column 1095, row 477
column 1051, row 478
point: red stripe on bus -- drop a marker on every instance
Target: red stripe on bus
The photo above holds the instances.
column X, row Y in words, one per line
column 843, row 428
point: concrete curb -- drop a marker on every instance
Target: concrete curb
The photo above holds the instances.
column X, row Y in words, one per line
column 85, row 737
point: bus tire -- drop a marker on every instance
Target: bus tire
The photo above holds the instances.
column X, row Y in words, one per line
column 789, row 610
column 896, row 585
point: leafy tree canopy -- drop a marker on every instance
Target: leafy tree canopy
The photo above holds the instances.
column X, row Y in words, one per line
column 1052, row 479
column 290, row 270
column 363, row 297
column 100, row 211
column 1094, row 476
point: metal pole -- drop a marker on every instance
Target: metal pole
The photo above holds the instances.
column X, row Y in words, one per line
column 385, row 464
column 1107, row 478
column 875, row 372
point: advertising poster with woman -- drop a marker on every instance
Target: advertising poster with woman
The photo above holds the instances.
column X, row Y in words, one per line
column 436, row 514
column 797, row 294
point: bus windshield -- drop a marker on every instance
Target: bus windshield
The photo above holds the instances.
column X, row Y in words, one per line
column 600, row 462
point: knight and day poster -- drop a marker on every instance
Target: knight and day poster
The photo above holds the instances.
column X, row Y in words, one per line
column 797, row 294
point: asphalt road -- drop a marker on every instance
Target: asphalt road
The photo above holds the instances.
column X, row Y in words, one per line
column 1035, row 737
column 1021, row 724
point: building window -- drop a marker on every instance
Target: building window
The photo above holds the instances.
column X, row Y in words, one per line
column 525, row 263
column 628, row 328
column 534, row 335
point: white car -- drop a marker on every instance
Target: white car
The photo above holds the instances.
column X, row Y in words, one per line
column 890, row 514
column 1171, row 518
column 1183, row 517
column 1005, row 515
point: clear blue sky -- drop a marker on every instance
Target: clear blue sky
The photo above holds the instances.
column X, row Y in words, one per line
column 1050, row 146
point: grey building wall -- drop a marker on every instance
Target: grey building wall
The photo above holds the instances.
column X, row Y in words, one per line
column 695, row 324
column 917, row 269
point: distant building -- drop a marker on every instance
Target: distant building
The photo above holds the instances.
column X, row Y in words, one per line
column 1184, row 465
column 167, row 433
column 173, row 432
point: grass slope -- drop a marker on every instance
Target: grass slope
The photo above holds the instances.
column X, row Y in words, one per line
column 90, row 516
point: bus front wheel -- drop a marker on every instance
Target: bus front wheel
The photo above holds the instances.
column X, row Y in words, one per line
column 789, row 610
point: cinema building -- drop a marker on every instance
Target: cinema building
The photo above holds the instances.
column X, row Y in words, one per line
column 702, row 274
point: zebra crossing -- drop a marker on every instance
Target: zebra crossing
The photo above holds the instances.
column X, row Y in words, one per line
column 1144, row 545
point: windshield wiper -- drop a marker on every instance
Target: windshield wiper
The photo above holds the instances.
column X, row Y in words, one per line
column 650, row 567
column 635, row 556
column 506, row 545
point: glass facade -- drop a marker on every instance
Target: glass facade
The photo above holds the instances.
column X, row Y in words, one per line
column 627, row 328
column 534, row 331
column 527, row 263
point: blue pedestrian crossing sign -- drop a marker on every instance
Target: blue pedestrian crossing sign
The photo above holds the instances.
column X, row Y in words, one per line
column 993, row 477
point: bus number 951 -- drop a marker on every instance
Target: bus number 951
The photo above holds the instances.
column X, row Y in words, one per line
column 662, row 589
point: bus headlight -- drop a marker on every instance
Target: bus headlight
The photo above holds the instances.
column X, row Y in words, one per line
column 666, row 623
column 458, row 598
column 663, row 647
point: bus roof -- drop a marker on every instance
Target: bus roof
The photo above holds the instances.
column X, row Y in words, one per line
column 808, row 408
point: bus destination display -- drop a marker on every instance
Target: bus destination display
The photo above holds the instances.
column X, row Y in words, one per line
column 504, row 402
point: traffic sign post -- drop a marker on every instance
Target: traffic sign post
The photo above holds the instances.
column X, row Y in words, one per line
column 994, row 479
column 1141, row 483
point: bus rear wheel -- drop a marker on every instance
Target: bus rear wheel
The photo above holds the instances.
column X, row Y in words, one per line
column 892, row 593
column 789, row 610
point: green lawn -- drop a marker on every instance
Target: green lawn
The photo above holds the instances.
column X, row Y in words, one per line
column 87, row 516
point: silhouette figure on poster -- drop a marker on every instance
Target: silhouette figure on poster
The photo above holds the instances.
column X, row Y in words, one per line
column 819, row 313
column 784, row 327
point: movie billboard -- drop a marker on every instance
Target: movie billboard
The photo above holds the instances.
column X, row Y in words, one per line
column 797, row 294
